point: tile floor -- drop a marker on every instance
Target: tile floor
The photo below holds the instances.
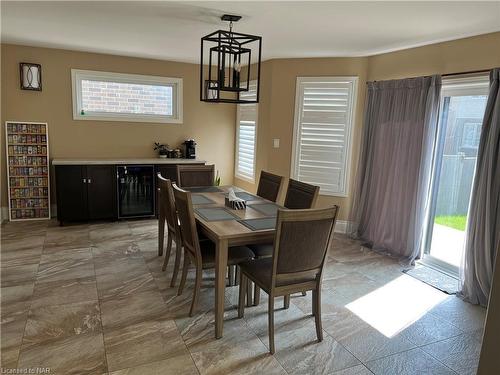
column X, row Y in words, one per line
column 92, row 299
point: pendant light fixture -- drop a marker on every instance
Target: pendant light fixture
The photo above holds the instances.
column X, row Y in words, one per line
column 229, row 61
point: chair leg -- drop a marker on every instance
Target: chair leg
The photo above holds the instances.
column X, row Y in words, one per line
column 256, row 295
column 242, row 294
column 167, row 254
column 270, row 312
column 196, row 292
column 317, row 313
column 184, row 274
column 178, row 254
column 313, row 304
column 230, row 275
column 286, row 301
column 161, row 234
column 237, row 276
column 249, row 288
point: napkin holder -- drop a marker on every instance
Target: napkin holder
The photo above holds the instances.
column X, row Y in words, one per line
column 235, row 205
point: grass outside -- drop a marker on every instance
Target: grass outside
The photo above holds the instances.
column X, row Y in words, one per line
column 455, row 221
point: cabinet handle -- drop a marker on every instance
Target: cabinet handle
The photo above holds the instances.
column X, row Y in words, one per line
column 84, row 180
column 89, row 181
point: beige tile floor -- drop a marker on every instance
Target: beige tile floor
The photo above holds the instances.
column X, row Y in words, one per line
column 92, row 299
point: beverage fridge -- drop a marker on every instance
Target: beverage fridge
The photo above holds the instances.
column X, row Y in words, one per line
column 136, row 194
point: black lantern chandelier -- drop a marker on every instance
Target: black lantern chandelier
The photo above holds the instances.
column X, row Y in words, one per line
column 226, row 66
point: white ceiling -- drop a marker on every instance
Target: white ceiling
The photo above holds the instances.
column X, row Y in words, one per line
column 172, row 30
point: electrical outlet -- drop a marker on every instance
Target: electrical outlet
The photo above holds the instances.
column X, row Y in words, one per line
column 276, row 143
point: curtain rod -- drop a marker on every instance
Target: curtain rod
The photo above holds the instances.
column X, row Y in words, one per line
column 452, row 74
column 467, row 72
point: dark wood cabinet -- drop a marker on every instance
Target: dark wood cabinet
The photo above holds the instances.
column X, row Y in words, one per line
column 85, row 192
column 71, row 191
column 101, row 192
column 89, row 192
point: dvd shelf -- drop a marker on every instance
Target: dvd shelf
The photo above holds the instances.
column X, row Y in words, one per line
column 28, row 170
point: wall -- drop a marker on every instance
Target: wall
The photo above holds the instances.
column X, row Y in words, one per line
column 277, row 105
column 489, row 361
column 475, row 53
column 212, row 125
column 276, row 115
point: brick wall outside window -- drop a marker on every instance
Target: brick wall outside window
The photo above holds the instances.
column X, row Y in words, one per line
column 114, row 97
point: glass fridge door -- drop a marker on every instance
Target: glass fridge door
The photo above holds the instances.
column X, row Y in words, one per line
column 135, row 190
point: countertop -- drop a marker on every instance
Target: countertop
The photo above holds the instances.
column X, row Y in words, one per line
column 125, row 161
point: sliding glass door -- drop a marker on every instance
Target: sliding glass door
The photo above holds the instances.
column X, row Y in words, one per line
column 463, row 102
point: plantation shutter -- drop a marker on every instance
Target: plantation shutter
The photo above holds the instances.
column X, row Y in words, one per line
column 322, row 133
column 246, row 135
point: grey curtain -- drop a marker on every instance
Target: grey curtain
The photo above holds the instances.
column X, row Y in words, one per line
column 394, row 170
column 483, row 228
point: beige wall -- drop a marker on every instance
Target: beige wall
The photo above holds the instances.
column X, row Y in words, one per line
column 277, row 105
column 475, row 53
column 212, row 125
column 276, row 114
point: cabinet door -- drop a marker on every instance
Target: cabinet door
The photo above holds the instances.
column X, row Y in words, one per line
column 101, row 196
column 167, row 171
column 71, row 191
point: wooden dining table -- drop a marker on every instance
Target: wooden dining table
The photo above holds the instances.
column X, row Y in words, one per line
column 227, row 233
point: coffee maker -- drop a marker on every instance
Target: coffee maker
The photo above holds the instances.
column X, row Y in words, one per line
column 190, row 149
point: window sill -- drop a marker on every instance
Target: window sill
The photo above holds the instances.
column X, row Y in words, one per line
column 150, row 119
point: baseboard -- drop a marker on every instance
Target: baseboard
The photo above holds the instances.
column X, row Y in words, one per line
column 341, row 226
column 4, row 214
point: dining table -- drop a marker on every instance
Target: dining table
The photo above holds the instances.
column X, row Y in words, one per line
column 228, row 227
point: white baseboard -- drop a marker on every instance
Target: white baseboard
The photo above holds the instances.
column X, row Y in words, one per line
column 4, row 214
column 341, row 226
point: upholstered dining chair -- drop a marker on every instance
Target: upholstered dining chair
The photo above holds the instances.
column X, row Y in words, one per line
column 299, row 195
column 269, row 186
column 298, row 232
column 199, row 253
column 168, row 213
column 195, row 175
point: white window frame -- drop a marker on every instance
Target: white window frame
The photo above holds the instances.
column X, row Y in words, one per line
column 236, row 159
column 349, row 129
column 78, row 75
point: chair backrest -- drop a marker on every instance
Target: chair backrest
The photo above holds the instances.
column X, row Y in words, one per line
column 302, row 240
column 300, row 195
column 195, row 175
column 269, row 186
column 166, row 203
column 189, row 233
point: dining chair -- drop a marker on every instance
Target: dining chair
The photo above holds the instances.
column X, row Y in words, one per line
column 200, row 253
column 195, row 175
column 269, row 186
column 302, row 240
column 299, row 195
column 168, row 214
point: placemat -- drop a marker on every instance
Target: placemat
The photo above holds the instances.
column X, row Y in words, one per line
column 247, row 196
column 259, row 224
column 215, row 214
column 200, row 199
column 268, row 209
column 203, row 189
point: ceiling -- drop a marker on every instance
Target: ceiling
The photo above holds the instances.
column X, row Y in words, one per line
column 172, row 30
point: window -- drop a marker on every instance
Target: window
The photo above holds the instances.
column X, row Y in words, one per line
column 324, row 116
column 126, row 97
column 246, row 135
